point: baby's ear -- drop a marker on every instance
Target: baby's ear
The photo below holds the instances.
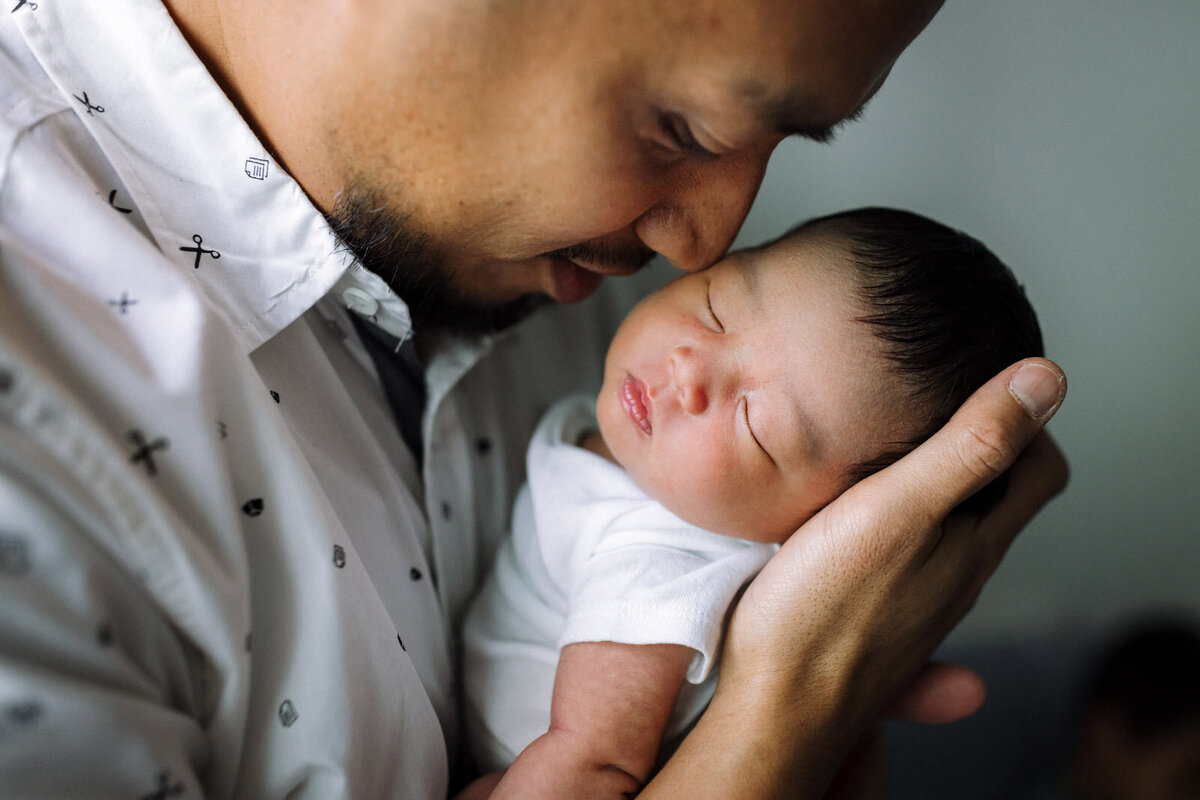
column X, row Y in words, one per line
column 980, row 503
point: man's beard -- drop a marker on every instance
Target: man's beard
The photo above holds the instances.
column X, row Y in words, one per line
column 384, row 242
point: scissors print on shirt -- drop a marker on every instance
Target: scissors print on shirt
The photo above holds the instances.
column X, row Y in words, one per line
column 88, row 103
column 199, row 250
column 32, row 6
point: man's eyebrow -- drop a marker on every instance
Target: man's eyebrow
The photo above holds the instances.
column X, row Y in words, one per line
column 789, row 116
column 822, row 134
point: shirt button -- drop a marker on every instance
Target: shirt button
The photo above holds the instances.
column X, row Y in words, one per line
column 360, row 302
column 446, row 512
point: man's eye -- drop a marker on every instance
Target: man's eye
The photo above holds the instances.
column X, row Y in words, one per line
column 711, row 313
column 680, row 134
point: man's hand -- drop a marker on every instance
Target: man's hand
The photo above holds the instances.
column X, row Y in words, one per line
column 847, row 613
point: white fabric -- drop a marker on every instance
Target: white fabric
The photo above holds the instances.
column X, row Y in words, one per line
column 592, row 558
column 218, row 575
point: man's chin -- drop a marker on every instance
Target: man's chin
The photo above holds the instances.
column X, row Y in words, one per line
column 385, row 243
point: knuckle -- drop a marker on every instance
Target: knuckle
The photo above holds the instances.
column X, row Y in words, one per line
column 985, row 451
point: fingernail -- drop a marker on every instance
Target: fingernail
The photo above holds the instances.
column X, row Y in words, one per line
column 1037, row 388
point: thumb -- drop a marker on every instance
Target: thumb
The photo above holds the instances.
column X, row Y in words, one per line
column 979, row 442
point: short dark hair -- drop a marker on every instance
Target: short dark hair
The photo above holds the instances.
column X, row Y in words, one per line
column 950, row 313
column 1151, row 678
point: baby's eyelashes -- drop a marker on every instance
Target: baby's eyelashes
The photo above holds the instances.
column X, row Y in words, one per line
column 708, row 301
column 746, row 417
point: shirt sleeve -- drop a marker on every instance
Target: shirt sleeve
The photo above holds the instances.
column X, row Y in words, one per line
column 660, row 591
column 99, row 695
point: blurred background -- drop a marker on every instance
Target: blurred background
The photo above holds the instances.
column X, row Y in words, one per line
column 1066, row 136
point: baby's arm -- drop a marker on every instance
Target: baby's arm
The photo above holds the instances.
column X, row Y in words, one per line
column 611, row 705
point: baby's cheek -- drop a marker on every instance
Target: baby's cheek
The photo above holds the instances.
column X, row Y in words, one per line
column 735, row 507
column 804, row 502
column 689, row 493
column 773, row 506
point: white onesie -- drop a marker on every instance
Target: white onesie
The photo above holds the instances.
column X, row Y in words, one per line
column 591, row 558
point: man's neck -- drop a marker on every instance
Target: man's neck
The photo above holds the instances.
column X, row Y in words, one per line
column 303, row 73
column 200, row 22
column 267, row 57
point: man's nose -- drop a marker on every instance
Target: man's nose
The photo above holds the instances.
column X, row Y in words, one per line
column 703, row 208
column 692, row 379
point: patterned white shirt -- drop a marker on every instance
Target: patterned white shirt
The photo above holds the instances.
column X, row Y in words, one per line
column 221, row 574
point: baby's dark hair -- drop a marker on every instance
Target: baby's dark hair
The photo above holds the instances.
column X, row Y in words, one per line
column 950, row 313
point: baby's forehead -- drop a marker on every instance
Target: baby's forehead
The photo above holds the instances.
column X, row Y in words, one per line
column 798, row 249
column 792, row 277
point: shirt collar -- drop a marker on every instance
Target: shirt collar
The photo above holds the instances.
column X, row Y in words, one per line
column 216, row 203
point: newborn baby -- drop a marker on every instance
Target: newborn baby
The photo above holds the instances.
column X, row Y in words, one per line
column 736, row 403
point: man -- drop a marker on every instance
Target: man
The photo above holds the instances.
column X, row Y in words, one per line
column 226, row 570
column 1138, row 729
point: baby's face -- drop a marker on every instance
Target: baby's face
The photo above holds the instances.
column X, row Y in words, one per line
column 739, row 396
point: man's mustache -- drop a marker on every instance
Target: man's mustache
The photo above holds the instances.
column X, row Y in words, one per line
column 603, row 253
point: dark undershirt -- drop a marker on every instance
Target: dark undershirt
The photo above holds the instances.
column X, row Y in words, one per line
column 402, row 377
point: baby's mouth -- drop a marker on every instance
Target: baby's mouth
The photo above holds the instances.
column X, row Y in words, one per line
column 633, row 400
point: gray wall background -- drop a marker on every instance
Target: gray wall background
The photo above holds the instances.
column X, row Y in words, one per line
column 1066, row 136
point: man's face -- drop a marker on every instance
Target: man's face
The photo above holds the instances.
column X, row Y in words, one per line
column 740, row 396
column 533, row 146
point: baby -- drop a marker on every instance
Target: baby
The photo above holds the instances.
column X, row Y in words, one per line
column 736, row 403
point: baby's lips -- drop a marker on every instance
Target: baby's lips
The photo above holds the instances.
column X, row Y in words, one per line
column 633, row 400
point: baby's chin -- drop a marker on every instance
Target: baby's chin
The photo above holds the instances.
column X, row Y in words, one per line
column 609, row 416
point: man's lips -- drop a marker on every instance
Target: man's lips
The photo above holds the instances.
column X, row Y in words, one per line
column 578, row 270
column 573, row 283
column 633, row 400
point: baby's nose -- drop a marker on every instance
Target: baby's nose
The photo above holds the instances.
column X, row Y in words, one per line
column 694, row 399
column 690, row 380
